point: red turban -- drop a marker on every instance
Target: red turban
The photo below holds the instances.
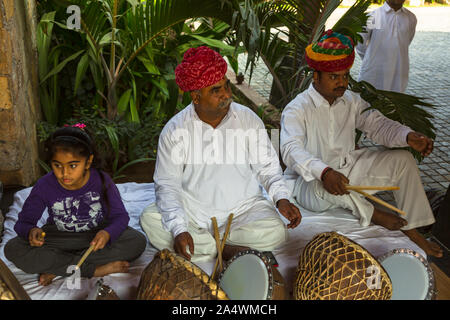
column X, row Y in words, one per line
column 333, row 52
column 201, row 67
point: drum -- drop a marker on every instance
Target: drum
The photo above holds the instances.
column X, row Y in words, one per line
column 332, row 267
column 412, row 277
column 250, row 276
column 171, row 277
column 10, row 288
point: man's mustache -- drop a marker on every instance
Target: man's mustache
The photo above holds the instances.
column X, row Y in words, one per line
column 340, row 88
column 225, row 103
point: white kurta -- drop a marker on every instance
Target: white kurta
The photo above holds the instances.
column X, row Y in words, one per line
column 384, row 50
column 315, row 135
column 203, row 172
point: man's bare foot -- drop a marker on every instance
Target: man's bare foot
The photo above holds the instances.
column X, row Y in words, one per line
column 430, row 248
column 112, row 267
column 46, row 278
column 388, row 220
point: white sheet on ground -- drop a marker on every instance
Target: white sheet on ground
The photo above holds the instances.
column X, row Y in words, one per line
column 136, row 196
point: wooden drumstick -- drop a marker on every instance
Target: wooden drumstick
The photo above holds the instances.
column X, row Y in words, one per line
column 218, row 244
column 385, row 188
column 387, row 205
column 227, row 231
column 85, row 255
column 42, row 236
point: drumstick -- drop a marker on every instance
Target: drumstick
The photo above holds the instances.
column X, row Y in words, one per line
column 85, row 255
column 218, row 244
column 42, row 236
column 227, row 231
column 380, row 201
column 386, row 188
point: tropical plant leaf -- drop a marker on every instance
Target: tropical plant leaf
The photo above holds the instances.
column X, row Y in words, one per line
column 117, row 173
column 124, row 101
column 44, row 166
column 82, row 67
column 61, row 65
column 354, row 20
column 114, row 140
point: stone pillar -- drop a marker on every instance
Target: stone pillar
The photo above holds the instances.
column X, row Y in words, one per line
column 19, row 93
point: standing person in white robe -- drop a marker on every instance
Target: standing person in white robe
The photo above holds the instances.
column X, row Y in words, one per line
column 318, row 147
column 385, row 47
column 212, row 158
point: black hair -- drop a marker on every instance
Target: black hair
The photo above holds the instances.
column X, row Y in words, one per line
column 70, row 139
column 79, row 142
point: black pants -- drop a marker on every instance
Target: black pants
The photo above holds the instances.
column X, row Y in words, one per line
column 63, row 249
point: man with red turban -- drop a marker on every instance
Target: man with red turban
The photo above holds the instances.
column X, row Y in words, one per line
column 318, row 147
column 213, row 157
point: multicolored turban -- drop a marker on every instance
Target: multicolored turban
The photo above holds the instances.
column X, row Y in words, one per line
column 333, row 52
column 201, row 67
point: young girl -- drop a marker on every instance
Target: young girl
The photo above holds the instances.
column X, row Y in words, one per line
column 84, row 208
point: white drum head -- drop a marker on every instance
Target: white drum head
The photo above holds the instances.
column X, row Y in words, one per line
column 411, row 276
column 246, row 277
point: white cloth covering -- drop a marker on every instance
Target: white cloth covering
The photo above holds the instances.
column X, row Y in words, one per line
column 137, row 196
column 264, row 234
column 384, row 50
column 205, row 172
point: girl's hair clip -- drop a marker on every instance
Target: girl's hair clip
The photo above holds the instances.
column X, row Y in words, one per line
column 77, row 125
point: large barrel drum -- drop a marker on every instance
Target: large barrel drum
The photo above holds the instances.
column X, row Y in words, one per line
column 333, row 267
column 171, row 277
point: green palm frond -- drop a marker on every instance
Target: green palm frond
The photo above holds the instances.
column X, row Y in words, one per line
column 354, row 21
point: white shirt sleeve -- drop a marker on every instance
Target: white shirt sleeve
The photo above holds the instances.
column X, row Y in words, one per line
column 266, row 164
column 413, row 27
column 379, row 128
column 292, row 144
column 168, row 189
column 361, row 47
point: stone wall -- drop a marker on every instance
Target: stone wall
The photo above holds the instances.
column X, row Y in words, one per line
column 19, row 100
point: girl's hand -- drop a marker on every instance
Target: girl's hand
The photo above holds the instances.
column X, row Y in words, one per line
column 36, row 237
column 100, row 240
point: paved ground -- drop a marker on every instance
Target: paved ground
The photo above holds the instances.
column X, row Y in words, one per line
column 429, row 77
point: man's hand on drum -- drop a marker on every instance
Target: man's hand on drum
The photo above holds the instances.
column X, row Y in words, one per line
column 334, row 182
column 420, row 143
column 182, row 241
column 290, row 212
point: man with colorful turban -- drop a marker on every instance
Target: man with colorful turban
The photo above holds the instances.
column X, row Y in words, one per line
column 318, row 147
column 213, row 157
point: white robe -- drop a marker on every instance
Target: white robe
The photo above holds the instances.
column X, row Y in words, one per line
column 315, row 135
column 203, row 172
column 384, row 50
